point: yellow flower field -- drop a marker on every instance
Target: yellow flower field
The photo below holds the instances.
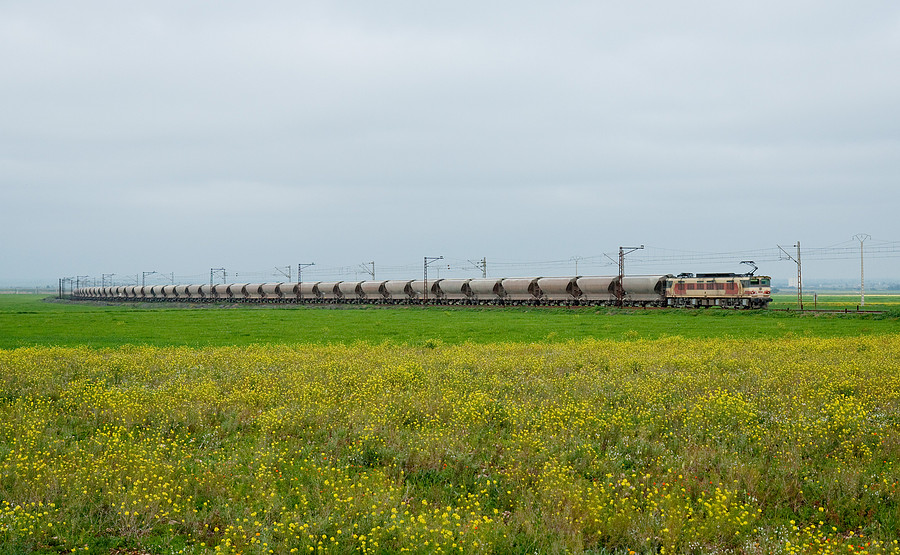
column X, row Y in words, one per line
column 663, row 446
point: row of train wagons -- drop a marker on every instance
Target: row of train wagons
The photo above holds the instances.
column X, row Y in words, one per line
column 588, row 290
column 684, row 290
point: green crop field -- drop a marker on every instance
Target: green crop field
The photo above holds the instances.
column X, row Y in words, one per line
column 170, row 429
column 30, row 320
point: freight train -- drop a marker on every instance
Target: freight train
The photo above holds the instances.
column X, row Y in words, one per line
column 683, row 290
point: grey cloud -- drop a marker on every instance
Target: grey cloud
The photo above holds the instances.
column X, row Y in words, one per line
column 498, row 119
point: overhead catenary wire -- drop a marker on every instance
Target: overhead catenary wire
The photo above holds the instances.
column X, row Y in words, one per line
column 599, row 263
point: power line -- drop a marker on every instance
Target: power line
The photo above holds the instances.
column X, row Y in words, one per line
column 650, row 257
column 861, row 237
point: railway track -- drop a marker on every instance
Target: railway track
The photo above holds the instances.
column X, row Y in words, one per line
column 828, row 310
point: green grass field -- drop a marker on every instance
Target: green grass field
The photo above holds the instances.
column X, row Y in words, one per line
column 172, row 429
column 27, row 320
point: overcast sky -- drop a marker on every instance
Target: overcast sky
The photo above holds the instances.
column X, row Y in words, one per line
column 182, row 136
